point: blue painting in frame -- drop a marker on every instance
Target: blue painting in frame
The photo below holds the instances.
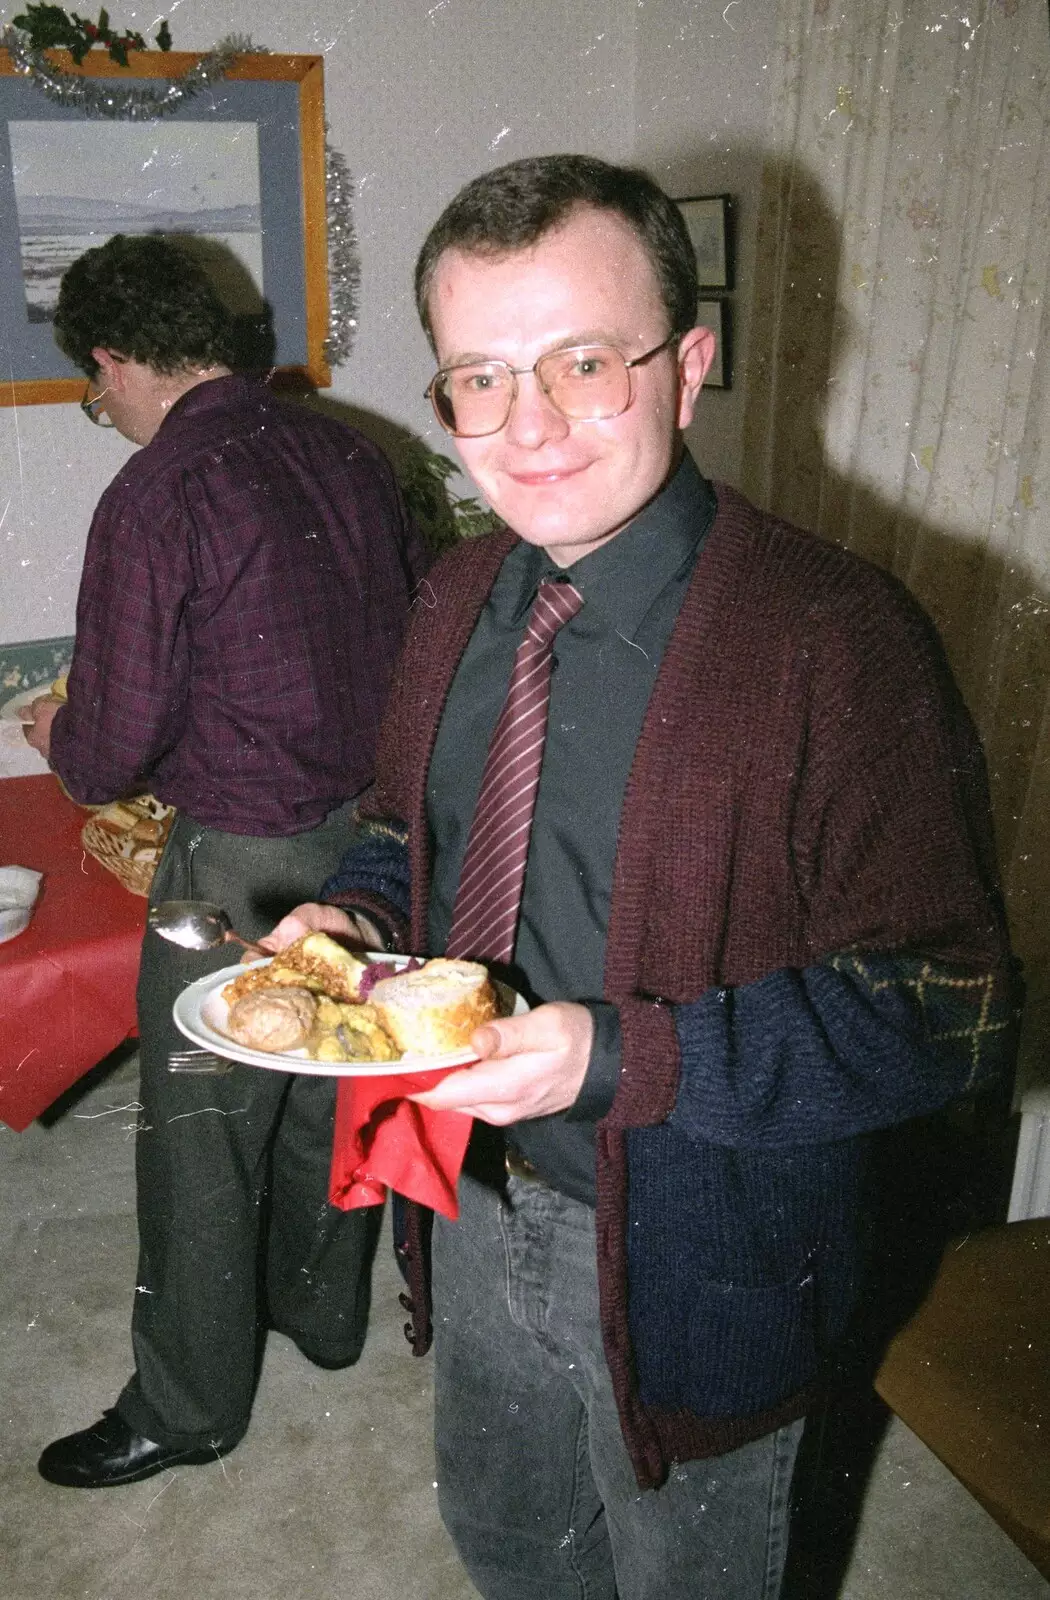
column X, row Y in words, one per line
column 239, row 166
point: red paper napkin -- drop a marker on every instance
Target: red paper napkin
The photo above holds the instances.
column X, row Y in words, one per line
column 384, row 1141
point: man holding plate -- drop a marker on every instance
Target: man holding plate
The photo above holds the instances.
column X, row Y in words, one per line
column 700, row 784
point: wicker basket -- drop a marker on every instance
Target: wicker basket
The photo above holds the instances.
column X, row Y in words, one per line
column 131, row 853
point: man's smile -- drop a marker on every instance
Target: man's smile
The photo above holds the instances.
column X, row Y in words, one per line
column 537, row 478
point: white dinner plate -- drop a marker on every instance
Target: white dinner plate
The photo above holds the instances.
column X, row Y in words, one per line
column 20, row 760
column 11, row 710
column 200, row 1012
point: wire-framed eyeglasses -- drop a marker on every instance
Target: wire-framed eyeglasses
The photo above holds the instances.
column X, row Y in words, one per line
column 88, row 405
column 586, row 383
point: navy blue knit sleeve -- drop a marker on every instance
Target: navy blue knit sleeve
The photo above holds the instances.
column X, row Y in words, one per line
column 373, row 877
column 855, row 1043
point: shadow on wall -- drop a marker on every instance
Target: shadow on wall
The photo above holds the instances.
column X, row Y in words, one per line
column 988, row 605
column 255, row 339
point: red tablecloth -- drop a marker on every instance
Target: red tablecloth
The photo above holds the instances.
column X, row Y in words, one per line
column 67, row 985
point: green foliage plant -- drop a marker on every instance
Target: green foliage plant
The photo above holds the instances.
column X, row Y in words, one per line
column 444, row 517
column 51, row 28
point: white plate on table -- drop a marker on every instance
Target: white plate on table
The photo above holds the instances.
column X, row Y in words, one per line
column 12, row 710
column 17, row 758
column 200, row 1013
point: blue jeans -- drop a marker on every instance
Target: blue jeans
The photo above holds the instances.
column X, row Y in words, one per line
column 535, row 1484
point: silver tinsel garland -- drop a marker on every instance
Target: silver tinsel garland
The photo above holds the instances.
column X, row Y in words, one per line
column 104, row 97
column 344, row 271
column 135, row 103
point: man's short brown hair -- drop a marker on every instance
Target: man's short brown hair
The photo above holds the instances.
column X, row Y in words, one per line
column 513, row 206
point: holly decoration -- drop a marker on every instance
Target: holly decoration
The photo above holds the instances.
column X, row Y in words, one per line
column 50, row 28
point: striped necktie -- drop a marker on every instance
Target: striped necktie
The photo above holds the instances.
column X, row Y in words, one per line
column 488, row 900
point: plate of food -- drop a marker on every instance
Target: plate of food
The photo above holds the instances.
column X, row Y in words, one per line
column 12, row 710
column 18, row 759
column 14, row 719
column 17, row 708
column 319, row 1008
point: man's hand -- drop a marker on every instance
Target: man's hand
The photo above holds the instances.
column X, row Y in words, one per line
column 530, row 1066
column 313, row 918
column 37, row 729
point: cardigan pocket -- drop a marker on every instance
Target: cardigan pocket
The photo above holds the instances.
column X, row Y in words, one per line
column 745, row 1350
column 752, row 1347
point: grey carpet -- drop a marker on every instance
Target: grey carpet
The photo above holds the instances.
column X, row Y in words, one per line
column 331, row 1495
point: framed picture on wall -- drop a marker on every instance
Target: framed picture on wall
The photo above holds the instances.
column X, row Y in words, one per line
column 240, row 167
column 708, row 218
column 714, row 314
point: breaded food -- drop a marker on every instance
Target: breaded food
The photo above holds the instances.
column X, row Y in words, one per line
column 274, row 1019
column 436, row 1008
column 314, row 962
column 326, row 966
column 262, row 975
column 349, row 1033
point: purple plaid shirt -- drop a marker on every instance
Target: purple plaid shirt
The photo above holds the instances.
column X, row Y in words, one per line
column 245, row 588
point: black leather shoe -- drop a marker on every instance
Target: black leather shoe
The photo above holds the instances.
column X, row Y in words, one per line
column 110, row 1453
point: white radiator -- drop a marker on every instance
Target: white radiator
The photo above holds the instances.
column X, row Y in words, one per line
column 1030, row 1195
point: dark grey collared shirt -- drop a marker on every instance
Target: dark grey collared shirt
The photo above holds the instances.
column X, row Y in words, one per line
column 605, row 664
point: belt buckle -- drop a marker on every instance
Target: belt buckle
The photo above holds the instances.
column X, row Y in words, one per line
column 519, row 1166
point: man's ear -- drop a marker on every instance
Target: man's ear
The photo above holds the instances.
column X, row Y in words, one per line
column 110, row 366
column 696, row 351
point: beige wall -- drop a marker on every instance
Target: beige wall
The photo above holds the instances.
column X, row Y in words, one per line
column 421, row 95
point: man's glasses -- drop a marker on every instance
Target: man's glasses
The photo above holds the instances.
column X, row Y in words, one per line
column 588, row 383
column 88, row 405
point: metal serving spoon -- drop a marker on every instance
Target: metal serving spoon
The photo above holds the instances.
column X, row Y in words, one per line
column 196, row 925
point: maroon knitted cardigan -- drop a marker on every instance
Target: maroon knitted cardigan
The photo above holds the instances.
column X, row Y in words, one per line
column 806, row 782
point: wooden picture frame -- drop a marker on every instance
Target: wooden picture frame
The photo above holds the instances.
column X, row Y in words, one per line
column 257, row 154
column 709, row 220
column 714, row 314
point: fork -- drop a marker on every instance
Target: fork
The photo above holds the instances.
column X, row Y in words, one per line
column 199, row 1061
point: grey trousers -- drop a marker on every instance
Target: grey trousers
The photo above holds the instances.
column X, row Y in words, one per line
column 534, row 1482
column 235, row 1230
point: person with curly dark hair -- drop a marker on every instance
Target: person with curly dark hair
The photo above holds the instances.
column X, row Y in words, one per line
column 146, row 296
column 245, row 587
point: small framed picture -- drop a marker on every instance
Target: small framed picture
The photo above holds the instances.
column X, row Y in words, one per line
column 714, row 314
column 708, row 219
